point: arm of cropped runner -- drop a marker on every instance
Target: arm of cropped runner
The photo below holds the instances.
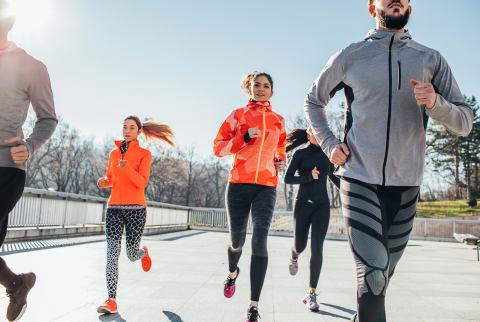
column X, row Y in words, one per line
column 41, row 96
column 450, row 108
column 328, row 82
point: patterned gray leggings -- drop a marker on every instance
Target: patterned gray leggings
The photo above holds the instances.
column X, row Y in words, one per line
column 116, row 218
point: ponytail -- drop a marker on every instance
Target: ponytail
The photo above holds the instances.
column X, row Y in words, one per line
column 152, row 129
column 296, row 138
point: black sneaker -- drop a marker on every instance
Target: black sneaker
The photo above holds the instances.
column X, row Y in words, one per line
column 252, row 314
column 354, row 318
column 18, row 296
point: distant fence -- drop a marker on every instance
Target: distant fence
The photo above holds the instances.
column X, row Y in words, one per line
column 43, row 208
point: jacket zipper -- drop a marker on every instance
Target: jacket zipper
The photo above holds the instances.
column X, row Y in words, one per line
column 399, row 75
column 389, row 108
column 261, row 145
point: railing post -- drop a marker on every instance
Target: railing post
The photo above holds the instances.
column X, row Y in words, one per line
column 39, row 212
column 188, row 218
column 65, row 212
column 425, row 228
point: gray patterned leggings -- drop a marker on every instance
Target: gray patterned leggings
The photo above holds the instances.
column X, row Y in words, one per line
column 379, row 220
column 116, row 218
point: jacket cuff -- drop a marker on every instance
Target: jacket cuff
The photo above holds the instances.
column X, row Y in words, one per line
column 247, row 137
column 440, row 108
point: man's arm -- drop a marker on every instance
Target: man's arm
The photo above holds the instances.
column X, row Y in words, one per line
column 41, row 96
column 328, row 82
column 450, row 107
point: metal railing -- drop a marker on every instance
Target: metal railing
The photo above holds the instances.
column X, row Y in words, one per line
column 42, row 208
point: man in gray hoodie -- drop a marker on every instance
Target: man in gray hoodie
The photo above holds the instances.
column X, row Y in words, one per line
column 392, row 85
column 23, row 80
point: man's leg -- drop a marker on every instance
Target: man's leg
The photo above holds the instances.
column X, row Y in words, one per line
column 366, row 231
column 12, row 182
column 400, row 224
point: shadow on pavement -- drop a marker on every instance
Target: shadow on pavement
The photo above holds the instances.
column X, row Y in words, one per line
column 341, row 308
column 172, row 316
column 115, row 317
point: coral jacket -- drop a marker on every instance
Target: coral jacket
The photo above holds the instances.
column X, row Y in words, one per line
column 129, row 182
column 254, row 161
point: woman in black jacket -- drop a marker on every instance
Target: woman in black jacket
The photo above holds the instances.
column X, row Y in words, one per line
column 312, row 206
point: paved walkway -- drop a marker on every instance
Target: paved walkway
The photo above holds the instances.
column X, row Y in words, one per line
column 434, row 282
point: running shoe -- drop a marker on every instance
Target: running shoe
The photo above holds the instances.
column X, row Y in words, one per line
column 293, row 267
column 354, row 318
column 310, row 301
column 252, row 314
column 18, row 296
column 229, row 285
column 110, row 306
column 146, row 261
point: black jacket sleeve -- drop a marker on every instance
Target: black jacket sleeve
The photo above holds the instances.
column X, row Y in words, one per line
column 290, row 177
column 333, row 178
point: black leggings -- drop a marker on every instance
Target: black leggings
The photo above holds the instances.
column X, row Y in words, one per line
column 12, row 181
column 379, row 220
column 308, row 214
column 240, row 198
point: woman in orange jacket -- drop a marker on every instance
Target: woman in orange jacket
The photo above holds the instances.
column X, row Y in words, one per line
column 255, row 135
column 127, row 174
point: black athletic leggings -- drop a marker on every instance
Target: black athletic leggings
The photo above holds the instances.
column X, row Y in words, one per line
column 379, row 220
column 12, row 181
column 306, row 214
column 240, row 198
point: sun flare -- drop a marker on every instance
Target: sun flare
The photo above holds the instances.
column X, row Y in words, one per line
column 32, row 16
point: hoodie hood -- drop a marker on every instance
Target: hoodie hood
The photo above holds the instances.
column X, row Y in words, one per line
column 383, row 38
column 12, row 48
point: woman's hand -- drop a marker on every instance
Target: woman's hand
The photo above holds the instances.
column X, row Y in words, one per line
column 254, row 132
column 100, row 182
column 315, row 173
column 280, row 165
column 121, row 163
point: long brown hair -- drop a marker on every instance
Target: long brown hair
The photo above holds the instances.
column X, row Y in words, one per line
column 295, row 138
column 152, row 129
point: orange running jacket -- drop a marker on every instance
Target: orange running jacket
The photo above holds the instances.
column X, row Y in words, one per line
column 129, row 182
column 254, row 162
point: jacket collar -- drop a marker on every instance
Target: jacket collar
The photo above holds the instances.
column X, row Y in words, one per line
column 262, row 105
column 383, row 38
column 118, row 143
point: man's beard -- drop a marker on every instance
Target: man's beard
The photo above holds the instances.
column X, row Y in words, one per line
column 393, row 22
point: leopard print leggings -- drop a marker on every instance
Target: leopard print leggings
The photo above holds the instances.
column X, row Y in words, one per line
column 133, row 218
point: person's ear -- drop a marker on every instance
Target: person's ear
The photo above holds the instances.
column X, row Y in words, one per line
column 371, row 9
column 409, row 10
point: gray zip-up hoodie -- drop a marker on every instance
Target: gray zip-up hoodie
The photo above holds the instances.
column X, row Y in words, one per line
column 384, row 126
column 24, row 79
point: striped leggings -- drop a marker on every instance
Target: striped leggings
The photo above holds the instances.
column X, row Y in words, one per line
column 379, row 220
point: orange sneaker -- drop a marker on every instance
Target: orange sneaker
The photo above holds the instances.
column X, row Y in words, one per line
column 110, row 306
column 146, row 261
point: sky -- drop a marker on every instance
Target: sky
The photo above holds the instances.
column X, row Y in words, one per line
column 181, row 62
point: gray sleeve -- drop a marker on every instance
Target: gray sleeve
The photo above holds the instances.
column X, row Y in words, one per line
column 450, row 109
column 324, row 87
column 41, row 97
